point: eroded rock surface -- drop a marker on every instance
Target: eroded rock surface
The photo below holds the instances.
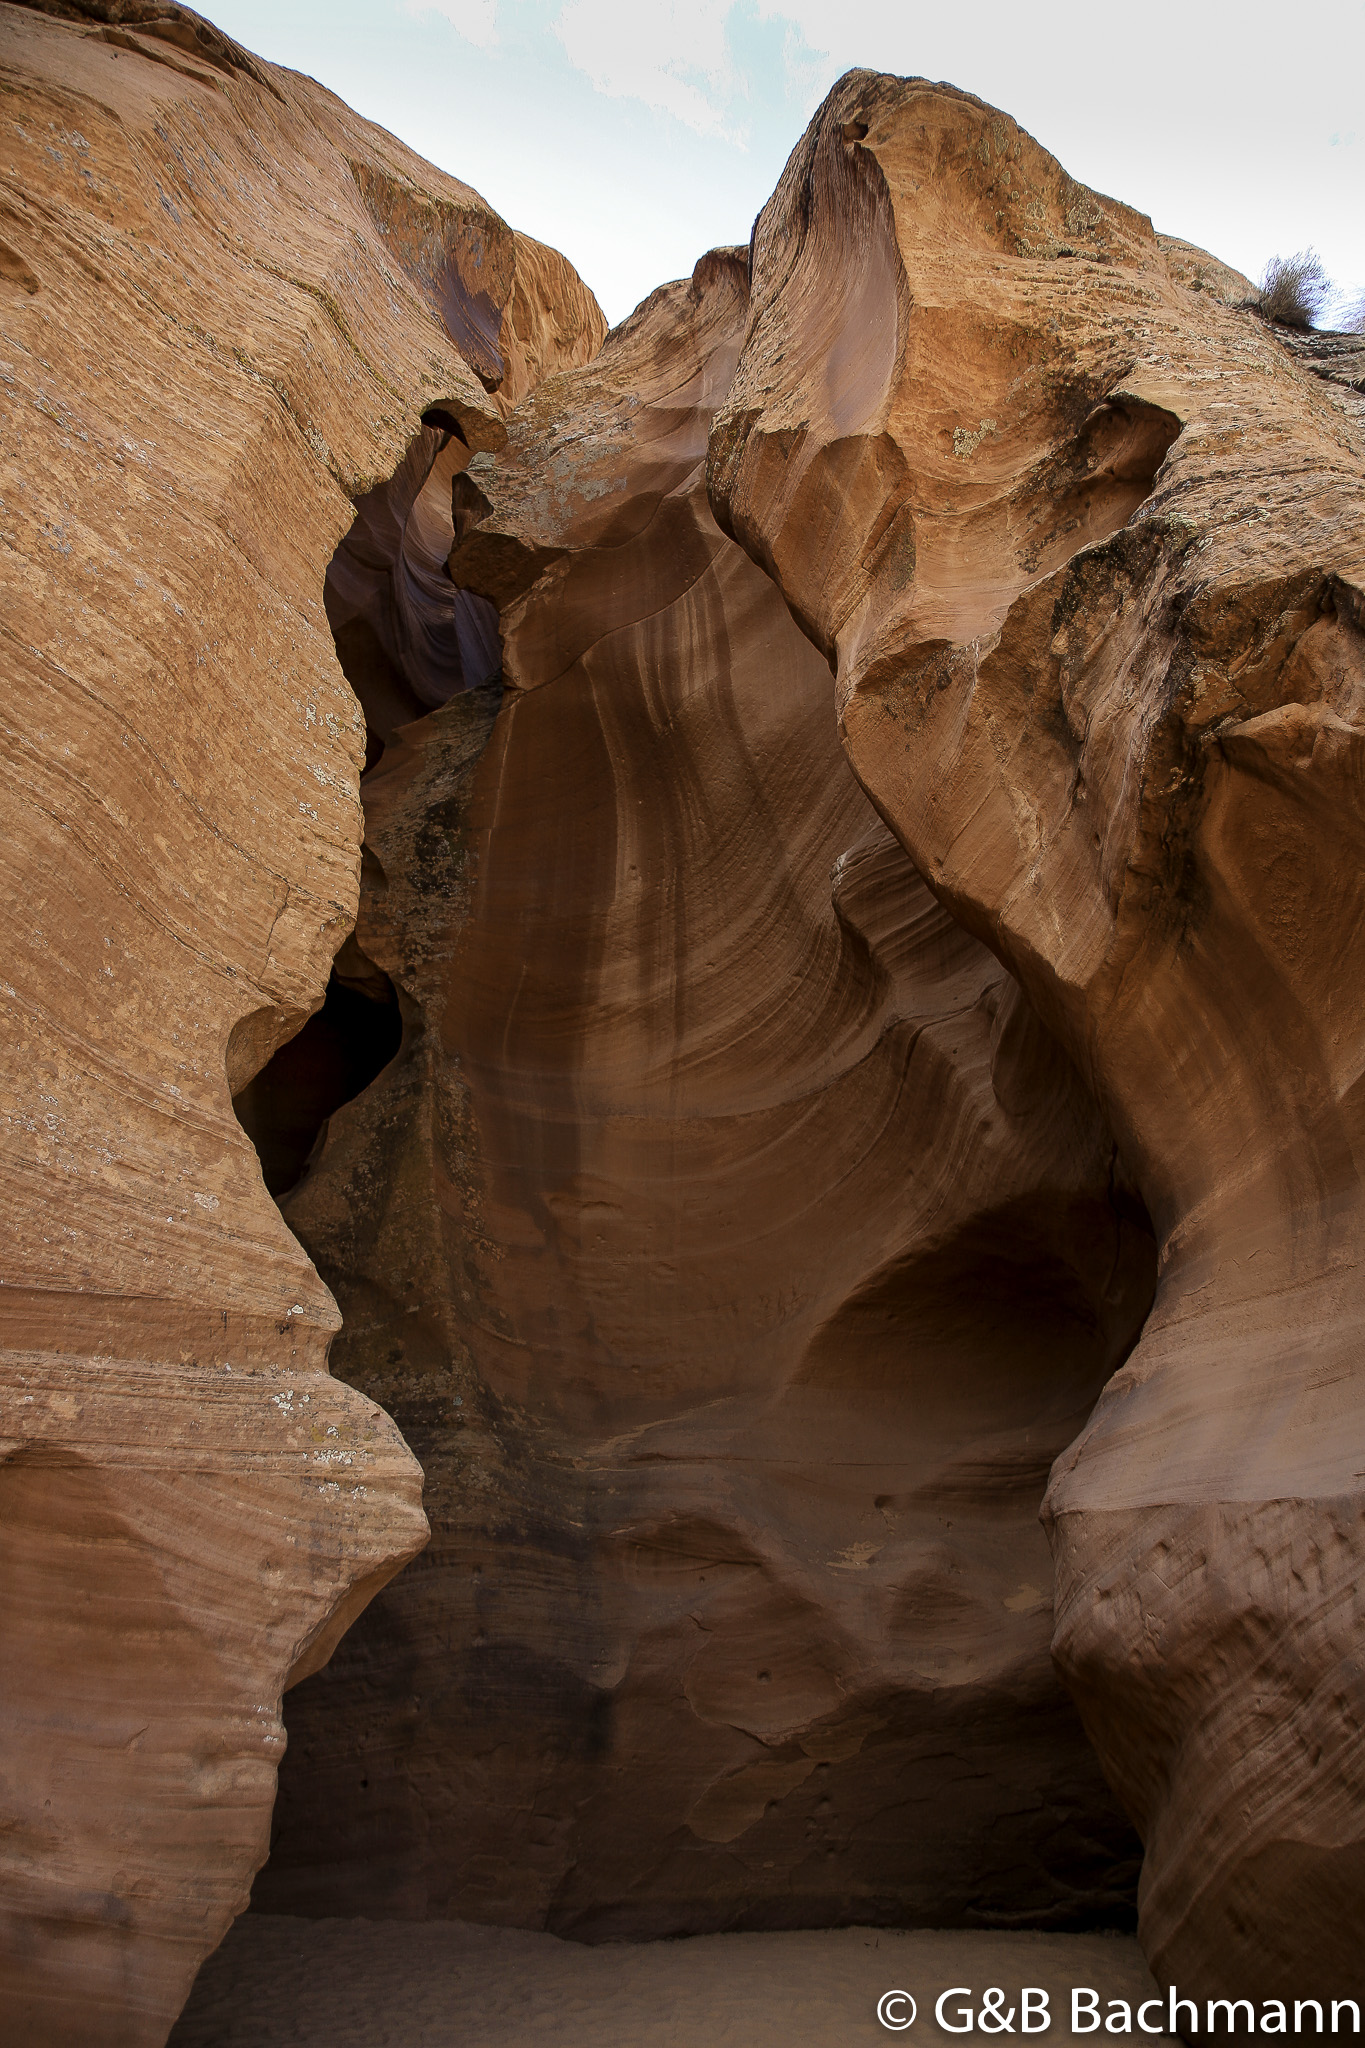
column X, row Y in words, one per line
column 211, row 343
column 1086, row 545
column 739, row 1232
column 731, row 1242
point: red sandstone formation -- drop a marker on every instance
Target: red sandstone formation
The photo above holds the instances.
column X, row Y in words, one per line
column 732, row 1244
column 225, row 302
column 732, row 1219
column 1085, row 545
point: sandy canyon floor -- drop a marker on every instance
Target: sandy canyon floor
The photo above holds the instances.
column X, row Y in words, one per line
column 278, row 1982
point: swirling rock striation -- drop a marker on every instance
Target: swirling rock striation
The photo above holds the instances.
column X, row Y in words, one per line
column 738, row 1233
column 1085, row 544
column 210, row 350
column 731, row 1242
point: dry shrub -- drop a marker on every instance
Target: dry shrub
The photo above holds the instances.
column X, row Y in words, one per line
column 1294, row 289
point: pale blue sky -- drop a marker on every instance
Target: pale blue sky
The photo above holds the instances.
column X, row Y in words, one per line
column 635, row 136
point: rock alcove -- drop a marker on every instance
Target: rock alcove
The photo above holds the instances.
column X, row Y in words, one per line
column 731, row 1242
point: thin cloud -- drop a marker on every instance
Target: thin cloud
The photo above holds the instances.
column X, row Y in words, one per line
column 674, row 58
column 475, row 20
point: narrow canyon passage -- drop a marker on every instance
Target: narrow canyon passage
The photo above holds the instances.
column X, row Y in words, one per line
column 732, row 1244
column 684, row 1081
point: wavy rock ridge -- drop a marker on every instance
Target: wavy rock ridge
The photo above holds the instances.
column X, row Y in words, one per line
column 214, row 338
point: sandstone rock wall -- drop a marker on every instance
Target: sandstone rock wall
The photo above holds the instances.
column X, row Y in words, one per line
column 210, row 345
column 1086, row 545
column 756, row 1204
column 732, row 1244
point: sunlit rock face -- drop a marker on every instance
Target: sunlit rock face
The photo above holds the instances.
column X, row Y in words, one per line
column 215, row 340
column 1085, row 544
column 733, row 1245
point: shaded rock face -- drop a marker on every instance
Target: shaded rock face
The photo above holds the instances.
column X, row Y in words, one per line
column 1086, row 547
column 208, row 355
column 733, row 1245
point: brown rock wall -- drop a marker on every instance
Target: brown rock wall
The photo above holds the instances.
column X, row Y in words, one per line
column 207, row 353
column 738, row 1234
column 732, row 1244
column 1084, row 543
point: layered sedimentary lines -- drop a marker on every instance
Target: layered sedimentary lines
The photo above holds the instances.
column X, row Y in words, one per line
column 731, row 1242
column 731, row 1129
column 1088, row 552
column 209, row 350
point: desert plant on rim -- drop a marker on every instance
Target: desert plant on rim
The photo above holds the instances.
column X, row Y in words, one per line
column 1294, row 289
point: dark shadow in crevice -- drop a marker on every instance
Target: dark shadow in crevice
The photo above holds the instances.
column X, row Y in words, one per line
column 445, row 422
column 339, row 1051
column 408, row 640
column 407, row 637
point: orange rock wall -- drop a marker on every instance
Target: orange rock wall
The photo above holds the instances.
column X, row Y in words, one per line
column 1085, row 544
column 208, row 350
column 757, row 1204
column 733, row 1246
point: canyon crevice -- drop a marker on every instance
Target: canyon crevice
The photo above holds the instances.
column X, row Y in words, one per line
column 776, row 897
column 731, row 1243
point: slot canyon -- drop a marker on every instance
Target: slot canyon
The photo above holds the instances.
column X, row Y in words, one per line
column 684, row 1051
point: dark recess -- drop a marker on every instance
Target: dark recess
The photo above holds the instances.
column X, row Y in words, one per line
column 445, row 422
column 337, row 1054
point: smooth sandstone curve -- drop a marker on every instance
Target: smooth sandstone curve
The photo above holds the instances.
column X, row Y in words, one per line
column 1085, row 547
column 729, row 1239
